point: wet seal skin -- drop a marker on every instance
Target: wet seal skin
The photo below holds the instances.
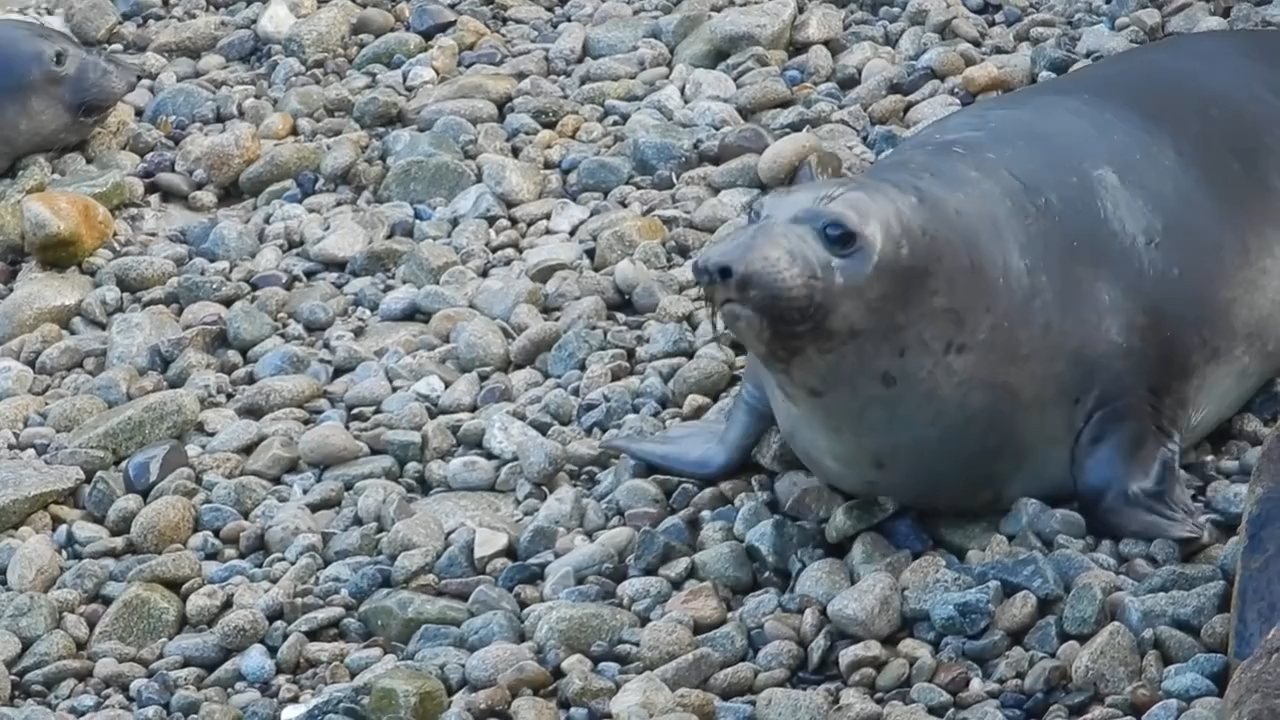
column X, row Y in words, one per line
column 1048, row 294
column 53, row 90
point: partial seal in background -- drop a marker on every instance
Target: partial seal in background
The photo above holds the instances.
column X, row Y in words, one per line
column 1254, row 690
column 53, row 90
column 1255, row 602
column 1045, row 294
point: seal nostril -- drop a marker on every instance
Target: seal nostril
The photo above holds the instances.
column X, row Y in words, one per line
column 700, row 274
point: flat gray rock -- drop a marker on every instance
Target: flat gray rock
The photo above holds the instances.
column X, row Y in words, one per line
column 29, row 485
column 138, row 423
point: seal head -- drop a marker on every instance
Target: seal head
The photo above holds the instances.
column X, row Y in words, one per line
column 53, row 91
column 816, row 268
column 812, row 270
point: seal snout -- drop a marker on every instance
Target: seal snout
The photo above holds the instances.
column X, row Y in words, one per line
column 98, row 82
column 129, row 73
column 720, row 272
column 709, row 272
column 122, row 75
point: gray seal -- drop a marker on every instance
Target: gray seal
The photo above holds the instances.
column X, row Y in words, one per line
column 53, row 90
column 1045, row 294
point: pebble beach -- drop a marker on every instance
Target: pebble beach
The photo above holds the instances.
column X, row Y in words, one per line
column 307, row 353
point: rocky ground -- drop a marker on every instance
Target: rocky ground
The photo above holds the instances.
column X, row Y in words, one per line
column 300, row 409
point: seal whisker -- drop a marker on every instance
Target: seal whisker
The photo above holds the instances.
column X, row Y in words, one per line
column 713, row 310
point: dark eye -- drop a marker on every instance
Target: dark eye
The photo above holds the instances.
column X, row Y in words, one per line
column 753, row 214
column 839, row 238
column 59, row 58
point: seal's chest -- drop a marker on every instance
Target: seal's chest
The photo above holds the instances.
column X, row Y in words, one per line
column 915, row 449
column 839, row 455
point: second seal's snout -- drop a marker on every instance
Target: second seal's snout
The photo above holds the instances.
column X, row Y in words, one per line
column 130, row 73
column 708, row 272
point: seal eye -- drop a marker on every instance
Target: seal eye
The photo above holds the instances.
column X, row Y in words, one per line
column 839, row 238
column 753, row 214
column 59, row 58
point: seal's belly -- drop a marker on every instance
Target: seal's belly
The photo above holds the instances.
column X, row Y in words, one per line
column 956, row 463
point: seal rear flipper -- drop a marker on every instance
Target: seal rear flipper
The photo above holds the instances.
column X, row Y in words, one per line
column 705, row 449
column 1127, row 478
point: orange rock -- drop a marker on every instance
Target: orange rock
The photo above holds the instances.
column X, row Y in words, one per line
column 60, row 229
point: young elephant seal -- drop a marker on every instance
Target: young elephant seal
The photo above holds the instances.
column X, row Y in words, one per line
column 1045, row 294
column 53, row 91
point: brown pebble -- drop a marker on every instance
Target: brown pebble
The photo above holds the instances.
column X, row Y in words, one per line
column 61, row 229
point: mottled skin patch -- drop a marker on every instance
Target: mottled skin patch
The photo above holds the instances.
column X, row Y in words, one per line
column 1064, row 287
column 53, row 91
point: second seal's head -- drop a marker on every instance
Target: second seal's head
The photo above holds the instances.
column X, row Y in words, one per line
column 55, row 90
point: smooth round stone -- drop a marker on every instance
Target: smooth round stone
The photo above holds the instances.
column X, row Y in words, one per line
column 153, row 463
column 430, row 19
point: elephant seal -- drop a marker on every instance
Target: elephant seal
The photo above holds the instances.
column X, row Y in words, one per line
column 1046, row 294
column 53, row 90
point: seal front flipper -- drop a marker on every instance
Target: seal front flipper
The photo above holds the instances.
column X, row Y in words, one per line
column 706, row 449
column 1128, row 483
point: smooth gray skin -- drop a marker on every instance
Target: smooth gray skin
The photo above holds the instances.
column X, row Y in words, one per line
column 1053, row 292
column 53, row 91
